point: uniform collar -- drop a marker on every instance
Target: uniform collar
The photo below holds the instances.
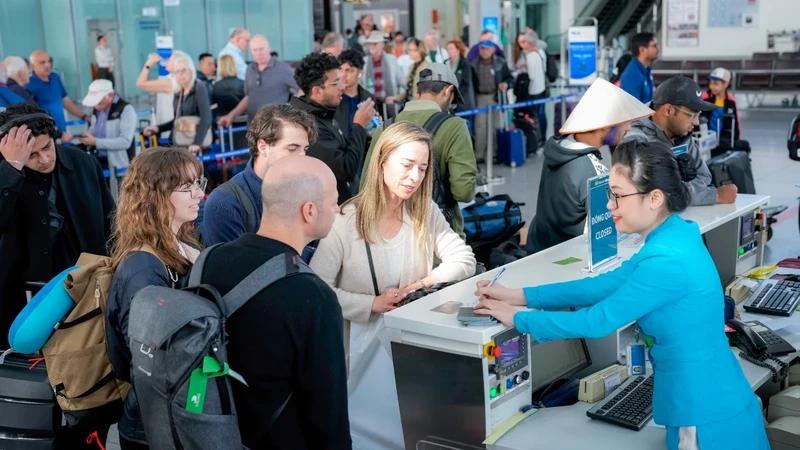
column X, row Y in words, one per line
column 670, row 222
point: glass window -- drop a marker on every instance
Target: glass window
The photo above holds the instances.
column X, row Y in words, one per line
column 223, row 17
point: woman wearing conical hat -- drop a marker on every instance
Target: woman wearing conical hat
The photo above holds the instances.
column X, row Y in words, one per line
column 602, row 117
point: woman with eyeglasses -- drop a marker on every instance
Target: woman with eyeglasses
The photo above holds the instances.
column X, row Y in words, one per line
column 191, row 102
column 153, row 245
column 671, row 289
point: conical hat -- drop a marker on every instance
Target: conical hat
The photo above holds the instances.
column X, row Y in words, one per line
column 604, row 105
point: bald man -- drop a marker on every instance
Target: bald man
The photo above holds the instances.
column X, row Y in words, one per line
column 236, row 47
column 267, row 82
column 48, row 91
column 287, row 341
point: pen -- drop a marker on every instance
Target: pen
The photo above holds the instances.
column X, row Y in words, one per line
column 496, row 277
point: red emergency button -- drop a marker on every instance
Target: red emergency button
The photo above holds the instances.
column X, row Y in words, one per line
column 497, row 352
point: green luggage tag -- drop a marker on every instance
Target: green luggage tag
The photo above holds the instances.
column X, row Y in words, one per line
column 198, row 382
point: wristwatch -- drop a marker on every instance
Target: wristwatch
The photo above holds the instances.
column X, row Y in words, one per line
column 87, row 118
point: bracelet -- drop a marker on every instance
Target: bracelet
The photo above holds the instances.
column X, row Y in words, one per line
column 15, row 161
column 147, row 67
column 423, row 284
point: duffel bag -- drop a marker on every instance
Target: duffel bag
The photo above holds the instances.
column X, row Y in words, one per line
column 490, row 217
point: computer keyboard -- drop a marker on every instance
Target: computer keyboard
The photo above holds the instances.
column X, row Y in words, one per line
column 774, row 297
column 629, row 406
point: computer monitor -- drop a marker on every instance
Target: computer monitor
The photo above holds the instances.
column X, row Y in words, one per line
column 556, row 359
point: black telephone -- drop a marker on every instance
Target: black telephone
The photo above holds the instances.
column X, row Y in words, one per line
column 755, row 349
column 746, row 339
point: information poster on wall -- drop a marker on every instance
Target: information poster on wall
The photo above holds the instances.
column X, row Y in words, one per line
column 733, row 13
column 602, row 231
column 582, row 55
column 683, row 23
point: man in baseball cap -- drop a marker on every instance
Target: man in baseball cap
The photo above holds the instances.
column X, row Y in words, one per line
column 112, row 128
column 437, row 90
column 678, row 103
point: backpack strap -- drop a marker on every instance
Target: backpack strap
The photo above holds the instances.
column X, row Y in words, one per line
column 246, row 205
column 277, row 268
column 196, row 274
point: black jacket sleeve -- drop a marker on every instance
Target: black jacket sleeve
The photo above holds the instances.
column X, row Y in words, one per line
column 204, row 111
column 109, row 207
column 11, row 181
column 343, row 161
column 505, row 75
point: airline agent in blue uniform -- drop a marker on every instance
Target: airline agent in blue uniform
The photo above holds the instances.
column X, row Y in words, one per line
column 671, row 288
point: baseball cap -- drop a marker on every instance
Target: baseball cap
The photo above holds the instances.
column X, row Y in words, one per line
column 97, row 91
column 721, row 74
column 441, row 72
column 681, row 91
column 486, row 44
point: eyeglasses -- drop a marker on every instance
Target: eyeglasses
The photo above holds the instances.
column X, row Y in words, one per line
column 614, row 198
column 692, row 115
column 199, row 185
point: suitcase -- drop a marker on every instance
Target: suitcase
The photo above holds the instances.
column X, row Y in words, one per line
column 558, row 121
column 793, row 141
column 733, row 167
column 510, row 142
column 529, row 125
column 29, row 414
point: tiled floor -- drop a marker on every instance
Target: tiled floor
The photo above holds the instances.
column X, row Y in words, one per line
column 775, row 175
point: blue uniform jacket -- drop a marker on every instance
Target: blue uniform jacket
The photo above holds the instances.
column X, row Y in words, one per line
column 672, row 289
column 637, row 80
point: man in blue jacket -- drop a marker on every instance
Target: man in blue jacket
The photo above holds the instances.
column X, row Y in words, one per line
column 234, row 208
column 637, row 79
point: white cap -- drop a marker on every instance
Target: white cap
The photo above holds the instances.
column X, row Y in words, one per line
column 97, row 92
column 604, row 105
column 721, row 74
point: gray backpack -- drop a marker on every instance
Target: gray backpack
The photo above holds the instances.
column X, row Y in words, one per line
column 179, row 361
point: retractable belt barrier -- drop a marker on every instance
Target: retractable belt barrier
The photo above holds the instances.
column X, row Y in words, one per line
column 142, row 113
column 245, row 151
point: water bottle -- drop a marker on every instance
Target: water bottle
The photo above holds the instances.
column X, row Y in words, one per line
column 375, row 122
column 371, row 85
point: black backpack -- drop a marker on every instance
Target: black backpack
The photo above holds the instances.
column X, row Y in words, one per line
column 552, row 69
column 441, row 190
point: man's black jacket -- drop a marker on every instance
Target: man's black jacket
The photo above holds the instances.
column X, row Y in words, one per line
column 342, row 153
column 25, row 249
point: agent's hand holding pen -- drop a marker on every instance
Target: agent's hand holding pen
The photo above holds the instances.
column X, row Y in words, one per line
column 499, row 301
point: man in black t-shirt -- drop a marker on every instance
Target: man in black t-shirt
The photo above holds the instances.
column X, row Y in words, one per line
column 287, row 341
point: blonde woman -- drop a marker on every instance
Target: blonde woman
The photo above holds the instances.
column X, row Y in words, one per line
column 190, row 96
column 382, row 247
column 418, row 53
column 228, row 90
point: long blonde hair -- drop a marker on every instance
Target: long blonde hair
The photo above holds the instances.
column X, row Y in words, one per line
column 371, row 201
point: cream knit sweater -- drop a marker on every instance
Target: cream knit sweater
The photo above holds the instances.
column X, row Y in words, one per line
column 341, row 261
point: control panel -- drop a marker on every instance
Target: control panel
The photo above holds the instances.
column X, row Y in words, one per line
column 509, row 366
column 748, row 236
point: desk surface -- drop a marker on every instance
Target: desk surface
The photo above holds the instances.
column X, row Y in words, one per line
column 568, row 427
column 534, row 270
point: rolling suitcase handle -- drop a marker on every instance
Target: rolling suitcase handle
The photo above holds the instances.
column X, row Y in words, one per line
column 502, row 99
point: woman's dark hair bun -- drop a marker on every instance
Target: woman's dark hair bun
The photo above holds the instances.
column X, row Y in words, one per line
column 687, row 167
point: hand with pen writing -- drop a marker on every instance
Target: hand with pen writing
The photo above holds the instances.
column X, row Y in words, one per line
column 499, row 301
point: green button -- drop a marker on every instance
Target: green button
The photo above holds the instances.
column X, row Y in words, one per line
column 741, row 251
column 493, row 392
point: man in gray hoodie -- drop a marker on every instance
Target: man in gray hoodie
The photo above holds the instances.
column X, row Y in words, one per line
column 678, row 104
column 602, row 117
